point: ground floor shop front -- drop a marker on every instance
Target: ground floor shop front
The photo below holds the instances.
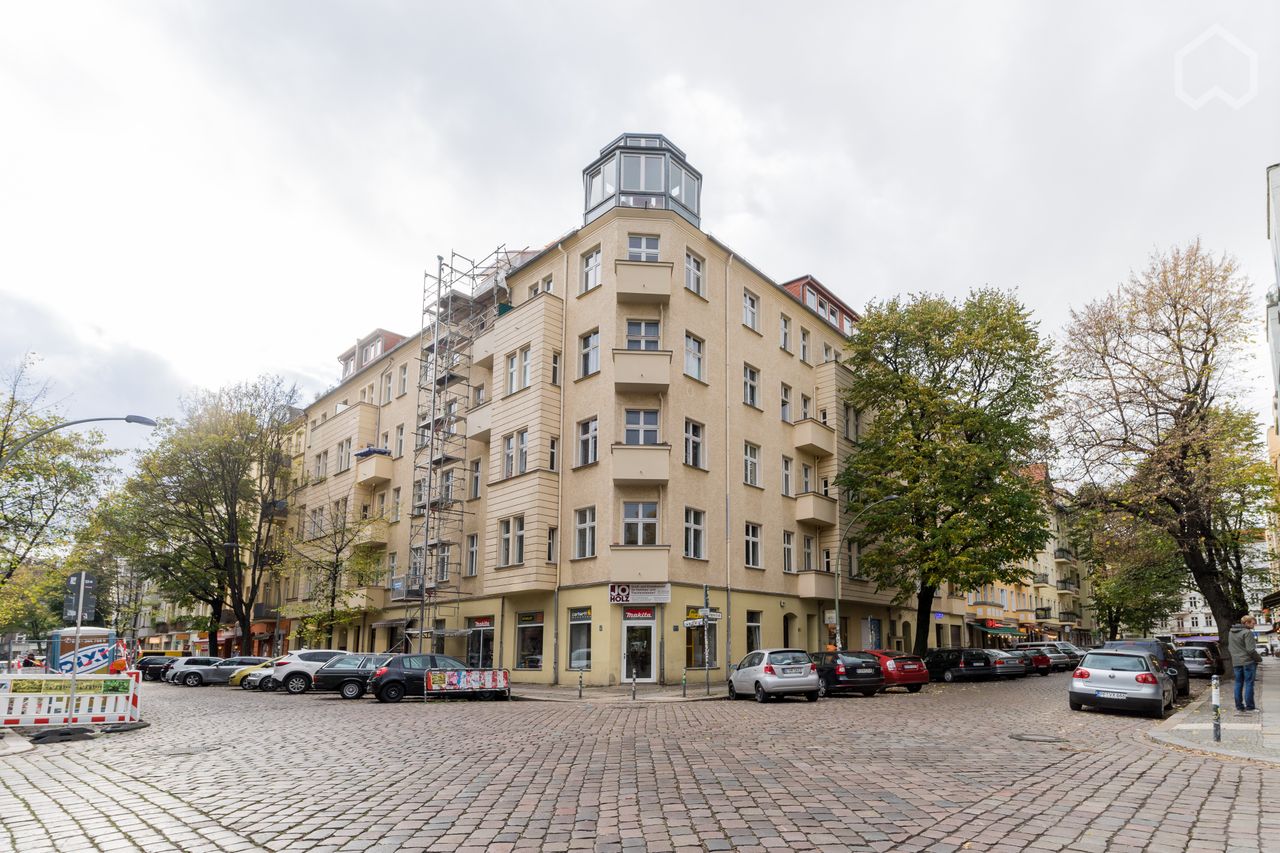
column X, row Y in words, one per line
column 610, row 634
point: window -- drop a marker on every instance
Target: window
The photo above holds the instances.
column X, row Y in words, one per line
column 642, row 334
column 751, row 551
column 473, row 554
column 642, row 248
column 587, row 441
column 524, row 367
column 589, row 347
column 382, row 505
column 547, row 284
column 699, row 642
column 786, row 475
column 518, row 370
column 750, row 310
column 344, row 455
column 804, row 345
column 784, row 332
column 392, row 559
column 395, row 504
column 828, row 354
column 693, row 273
column 600, row 183
column 508, row 455
column 553, row 454
column 443, row 556
column 642, row 172
column 522, row 451
column 511, row 541
column 751, row 464
column 385, row 441
column 475, row 478
column 753, row 630
column 806, row 478
column 788, row 551
column 419, row 494
column 322, row 465
column 642, row 426
column 695, row 531
column 584, row 532
column 386, row 388
column 693, row 349
column 684, row 188
column 404, row 379
column 808, row 554
column 1195, row 621
column 529, row 640
column 551, row 544
column 591, row 270
column 750, row 386
column 786, row 402
column 693, row 444
column 826, row 559
column 579, row 638
column 640, row 523
column 555, row 368
column 806, row 407
column 477, row 395
column 535, row 289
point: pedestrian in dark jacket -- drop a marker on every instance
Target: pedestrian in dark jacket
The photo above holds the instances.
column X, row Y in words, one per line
column 1242, row 646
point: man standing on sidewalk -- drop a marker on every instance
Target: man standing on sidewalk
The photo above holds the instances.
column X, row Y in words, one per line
column 1242, row 646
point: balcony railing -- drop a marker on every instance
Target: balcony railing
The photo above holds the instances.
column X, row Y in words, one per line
column 1068, row 586
column 406, row 587
column 1043, row 613
column 1064, row 555
column 1042, row 579
column 1069, row 616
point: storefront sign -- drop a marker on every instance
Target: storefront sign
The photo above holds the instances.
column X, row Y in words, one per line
column 482, row 622
column 579, row 614
column 637, row 613
column 529, row 618
column 639, row 593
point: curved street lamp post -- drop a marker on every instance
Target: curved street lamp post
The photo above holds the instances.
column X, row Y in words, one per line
column 129, row 419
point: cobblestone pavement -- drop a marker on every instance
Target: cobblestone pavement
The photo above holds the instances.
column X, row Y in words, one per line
column 225, row 769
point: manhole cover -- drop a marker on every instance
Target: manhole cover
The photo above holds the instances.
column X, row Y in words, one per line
column 191, row 750
column 1039, row 738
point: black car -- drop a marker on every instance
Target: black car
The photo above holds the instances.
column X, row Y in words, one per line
column 405, row 675
column 958, row 665
column 152, row 665
column 1168, row 657
column 347, row 674
column 848, row 672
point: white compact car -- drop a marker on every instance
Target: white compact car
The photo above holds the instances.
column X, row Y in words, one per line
column 767, row 673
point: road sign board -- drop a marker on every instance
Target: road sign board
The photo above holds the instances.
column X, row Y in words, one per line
column 703, row 611
column 693, row 623
column 713, row 616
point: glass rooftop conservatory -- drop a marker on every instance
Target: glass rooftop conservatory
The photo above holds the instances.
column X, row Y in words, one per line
column 642, row 170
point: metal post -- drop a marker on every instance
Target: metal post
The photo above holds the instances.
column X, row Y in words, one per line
column 684, row 684
column 706, row 637
column 1216, row 699
column 633, row 684
column 75, row 653
column 579, row 684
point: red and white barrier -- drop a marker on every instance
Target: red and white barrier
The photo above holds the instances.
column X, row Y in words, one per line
column 45, row 700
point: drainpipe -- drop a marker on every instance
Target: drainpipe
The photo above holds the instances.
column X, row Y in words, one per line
column 560, row 525
column 728, row 549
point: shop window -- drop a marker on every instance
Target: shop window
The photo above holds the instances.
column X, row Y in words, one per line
column 529, row 640
column 579, row 638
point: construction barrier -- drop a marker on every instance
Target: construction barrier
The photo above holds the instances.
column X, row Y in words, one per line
column 45, row 700
column 468, row 681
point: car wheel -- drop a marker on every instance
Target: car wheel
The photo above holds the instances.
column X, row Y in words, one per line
column 948, row 676
column 245, row 685
column 824, row 687
column 1160, row 711
column 914, row 688
column 1044, row 672
column 296, row 684
column 1185, row 691
column 869, row 692
column 192, row 679
column 733, row 694
column 266, row 685
column 811, row 696
column 1074, row 705
column 351, row 690
column 391, row 693
column 761, row 696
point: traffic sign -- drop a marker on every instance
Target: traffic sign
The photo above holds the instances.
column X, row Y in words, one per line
column 693, row 623
column 713, row 616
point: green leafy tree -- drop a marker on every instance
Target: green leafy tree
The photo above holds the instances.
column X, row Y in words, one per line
column 956, row 395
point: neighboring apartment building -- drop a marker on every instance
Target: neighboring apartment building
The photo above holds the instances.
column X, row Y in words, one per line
column 632, row 414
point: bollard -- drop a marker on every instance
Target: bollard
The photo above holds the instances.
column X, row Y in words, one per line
column 1216, row 699
column 684, row 684
column 579, row 684
column 633, row 685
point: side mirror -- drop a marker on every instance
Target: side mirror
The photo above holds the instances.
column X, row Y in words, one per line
column 1173, row 670
column 733, row 667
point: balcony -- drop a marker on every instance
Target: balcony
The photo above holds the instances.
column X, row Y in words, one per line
column 374, row 469
column 980, row 601
column 1068, row 586
column 406, row 588
column 1064, row 555
column 641, row 464
column 483, row 347
column 1044, row 614
column 1069, row 616
column 814, row 437
column 816, row 585
column 365, row 598
column 814, row 508
column 639, row 563
column 1042, row 579
column 480, row 422
column 641, row 370
column 373, row 534
column 643, row 281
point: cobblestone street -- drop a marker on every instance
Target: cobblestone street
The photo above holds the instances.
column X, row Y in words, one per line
column 224, row 769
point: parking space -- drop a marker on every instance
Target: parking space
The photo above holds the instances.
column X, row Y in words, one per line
column 225, row 769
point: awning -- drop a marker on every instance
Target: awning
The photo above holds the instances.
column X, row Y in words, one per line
column 390, row 623
column 1010, row 632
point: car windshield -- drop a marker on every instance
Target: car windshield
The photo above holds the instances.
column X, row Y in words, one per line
column 443, row 662
column 1116, row 663
column 1192, row 653
column 345, row 660
column 853, row 657
column 788, row 657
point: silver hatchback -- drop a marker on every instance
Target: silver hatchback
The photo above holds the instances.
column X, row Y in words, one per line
column 767, row 673
column 1131, row 680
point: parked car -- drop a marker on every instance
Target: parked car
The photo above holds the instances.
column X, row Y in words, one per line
column 900, row 669
column 294, row 671
column 259, row 679
column 1211, row 645
column 1072, row 650
column 958, row 664
column 1035, row 660
column 237, row 678
column 177, row 673
column 1169, row 657
column 151, row 666
column 218, row 673
column 1129, row 678
column 1059, row 659
column 769, row 673
column 347, row 674
column 848, row 672
column 1006, row 665
column 405, row 675
column 1200, row 661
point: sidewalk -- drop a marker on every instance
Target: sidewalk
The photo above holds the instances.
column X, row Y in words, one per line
column 1253, row 736
column 696, row 692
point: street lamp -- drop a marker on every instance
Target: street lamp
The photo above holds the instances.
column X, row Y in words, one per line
column 840, row 561
column 129, row 419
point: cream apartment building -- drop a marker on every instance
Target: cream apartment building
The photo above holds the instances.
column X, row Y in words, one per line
column 641, row 425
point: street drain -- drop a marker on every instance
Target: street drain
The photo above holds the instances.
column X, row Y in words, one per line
column 1039, row 738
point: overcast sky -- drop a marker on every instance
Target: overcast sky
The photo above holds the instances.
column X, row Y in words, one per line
column 195, row 193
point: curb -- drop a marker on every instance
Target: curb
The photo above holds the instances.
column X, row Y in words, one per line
column 1163, row 735
column 621, row 700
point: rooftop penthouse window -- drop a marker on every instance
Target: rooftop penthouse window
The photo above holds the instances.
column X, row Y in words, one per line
column 642, row 170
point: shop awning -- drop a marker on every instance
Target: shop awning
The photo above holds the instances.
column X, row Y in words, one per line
column 1012, row 632
column 390, row 623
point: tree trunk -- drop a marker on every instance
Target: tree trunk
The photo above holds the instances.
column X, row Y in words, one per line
column 924, row 619
column 245, row 623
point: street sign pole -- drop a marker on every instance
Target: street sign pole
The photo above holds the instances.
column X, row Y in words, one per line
column 706, row 637
column 75, row 653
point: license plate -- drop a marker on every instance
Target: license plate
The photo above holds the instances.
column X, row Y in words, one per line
column 977, row 664
column 909, row 666
column 865, row 670
column 1108, row 694
column 792, row 670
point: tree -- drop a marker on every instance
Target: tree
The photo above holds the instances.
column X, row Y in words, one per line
column 331, row 554
column 957, row 396
column 49, row 486
column 31, row 602
column 1149, row 415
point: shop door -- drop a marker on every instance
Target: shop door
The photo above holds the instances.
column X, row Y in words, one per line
column 638, row 651
column 480, row 648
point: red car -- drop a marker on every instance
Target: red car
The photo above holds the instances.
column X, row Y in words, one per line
column 900, row 669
